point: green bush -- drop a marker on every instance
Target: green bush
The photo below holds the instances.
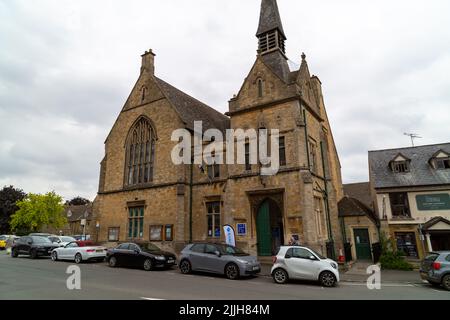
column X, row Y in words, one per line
column 392, row 259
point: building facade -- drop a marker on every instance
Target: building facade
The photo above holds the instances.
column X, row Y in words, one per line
column 144, row 196
column 360, row 224
column 411, row 191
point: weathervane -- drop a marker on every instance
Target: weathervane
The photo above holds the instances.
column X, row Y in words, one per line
column 413, row 136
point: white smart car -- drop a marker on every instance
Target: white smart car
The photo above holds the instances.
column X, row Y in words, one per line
column 301, row 263
column 78, row 253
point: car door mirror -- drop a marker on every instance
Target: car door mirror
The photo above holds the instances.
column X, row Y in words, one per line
column 218, row 254
column 30, row 242
column 288, row 256
column 137, row 251
column 312, row 258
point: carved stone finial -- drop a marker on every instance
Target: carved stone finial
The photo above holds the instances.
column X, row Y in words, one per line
column 303, row 56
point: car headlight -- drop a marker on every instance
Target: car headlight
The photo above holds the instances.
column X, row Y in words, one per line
column 160, row 258
column 334, row 265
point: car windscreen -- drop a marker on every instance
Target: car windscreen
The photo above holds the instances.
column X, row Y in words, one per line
column 321, row 257
column 150, row 247
column 67, row 239
column 232, row 251
column 40, row 240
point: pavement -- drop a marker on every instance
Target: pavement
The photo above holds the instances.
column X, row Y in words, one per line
column 42, row 279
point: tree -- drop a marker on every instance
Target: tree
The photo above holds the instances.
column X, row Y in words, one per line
column 9, row 196
column 37, row 211
column 78, row 201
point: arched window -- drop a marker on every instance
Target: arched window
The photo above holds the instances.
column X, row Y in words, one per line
column 260, row 88
column 140, row 153
column 144, row 92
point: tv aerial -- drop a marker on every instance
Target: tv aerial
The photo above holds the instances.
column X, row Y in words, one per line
column 413, row 136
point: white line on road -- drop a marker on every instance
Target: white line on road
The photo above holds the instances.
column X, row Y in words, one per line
column 383, row 284
column 152, row 299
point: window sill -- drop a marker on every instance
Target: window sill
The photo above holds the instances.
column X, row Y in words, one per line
column 402, row 219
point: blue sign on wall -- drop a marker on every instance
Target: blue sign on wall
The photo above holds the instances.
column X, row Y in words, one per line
column 242, row 229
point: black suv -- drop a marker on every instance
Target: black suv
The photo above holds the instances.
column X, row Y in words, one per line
column 33, row 246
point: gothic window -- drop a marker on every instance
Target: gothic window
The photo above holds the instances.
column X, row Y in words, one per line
column 260, row 88
column 144, row 92
column 140, row 154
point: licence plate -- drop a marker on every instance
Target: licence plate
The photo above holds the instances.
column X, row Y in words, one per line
column 170, row 261
column 99, row 251
column 255, row 268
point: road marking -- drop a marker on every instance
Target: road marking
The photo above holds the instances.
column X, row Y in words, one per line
column 383, row 284
column 152, row 299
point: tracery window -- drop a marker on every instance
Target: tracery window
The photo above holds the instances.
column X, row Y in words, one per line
column 140, row 153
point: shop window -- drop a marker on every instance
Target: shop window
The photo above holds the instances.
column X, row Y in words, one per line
column 406, row 243
column 113, row 234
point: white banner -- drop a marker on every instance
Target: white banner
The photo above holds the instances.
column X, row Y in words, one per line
column 230, row 235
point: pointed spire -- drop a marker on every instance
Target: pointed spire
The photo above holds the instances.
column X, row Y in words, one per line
column 270, row 18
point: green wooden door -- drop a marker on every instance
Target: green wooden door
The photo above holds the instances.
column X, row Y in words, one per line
column 263, row 230
column 362, row 244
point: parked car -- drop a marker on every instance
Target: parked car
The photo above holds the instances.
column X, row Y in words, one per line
column 218, row 258
column 435, row 268
column 6, row 241
column 33, row 246
column 74, row 252
column 301, row 263
column 147, row 256
column 82, row 237
column 3, row 239
column 41, row 235
column 62, row 241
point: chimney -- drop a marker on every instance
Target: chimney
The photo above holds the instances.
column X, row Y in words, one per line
column 148, row 61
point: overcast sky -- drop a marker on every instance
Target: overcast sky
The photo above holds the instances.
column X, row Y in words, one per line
column 67, row 67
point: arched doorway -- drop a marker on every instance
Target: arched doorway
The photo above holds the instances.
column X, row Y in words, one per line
column 269, row 228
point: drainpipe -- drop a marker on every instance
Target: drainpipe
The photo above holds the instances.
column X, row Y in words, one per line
column 327, row 204
column 191, row 179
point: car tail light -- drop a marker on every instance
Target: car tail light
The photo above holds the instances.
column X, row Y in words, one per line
column 274, row 260
column 90, row 250
column 436, row 265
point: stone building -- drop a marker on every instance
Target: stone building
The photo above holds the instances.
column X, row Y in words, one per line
column 144, row 196
column 411, row 191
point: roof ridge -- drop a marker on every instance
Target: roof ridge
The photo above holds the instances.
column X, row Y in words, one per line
column 415, row 147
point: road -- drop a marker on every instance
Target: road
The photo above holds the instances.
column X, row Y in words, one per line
column 43, row 279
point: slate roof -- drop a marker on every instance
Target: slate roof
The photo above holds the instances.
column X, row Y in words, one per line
column 359, row 191
column 269, row 18
column 78, row 212
column 421, row 172
column 191, row 109
column 351, row 207
column 279, row 65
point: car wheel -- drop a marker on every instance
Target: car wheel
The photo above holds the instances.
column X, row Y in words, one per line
column 78, row 258
column 446, row 282
column 54, row 256
column 14, row 253
column 33, row 254
column 232, row 271
column 148, row 265
column 327, row 279
column 112, row 262
column 280, row 276
column 185, row 267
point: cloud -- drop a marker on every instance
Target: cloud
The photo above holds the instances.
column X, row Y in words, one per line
column 67, row 67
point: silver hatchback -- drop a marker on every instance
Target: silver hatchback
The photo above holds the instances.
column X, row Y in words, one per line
column 435, row 269
column 218, row 258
